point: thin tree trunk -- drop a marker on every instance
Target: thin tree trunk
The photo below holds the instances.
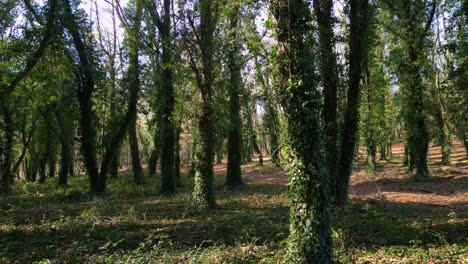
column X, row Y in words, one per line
column 65, row 162
column 177, row 156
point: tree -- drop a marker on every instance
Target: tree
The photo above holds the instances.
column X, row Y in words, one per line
column 310, row 232
column 85, row 74
column 357, row 48
column 415, row 25
column 233, row 174
column 328, row 69
column 203, row 194
column 133, row 83
column 10, row 80
column 167, row 97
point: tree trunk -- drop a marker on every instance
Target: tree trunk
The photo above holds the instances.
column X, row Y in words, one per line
column 357, row 50
column 203, row 193
column 153, row 160
column 219, row 154
column 370, row 161
column 383, row 152
column 310, row 215
column 115, row 163
column 233, row 174
column 406, row 156
column 86, row 76
column 323, row 11
column 167, row 95
column 465, row 143
column 65, row 162
column 134, row 87
column 6, row 148
column 177, row 156
column 418, row 136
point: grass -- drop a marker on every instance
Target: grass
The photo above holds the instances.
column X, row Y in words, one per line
column 134, row 224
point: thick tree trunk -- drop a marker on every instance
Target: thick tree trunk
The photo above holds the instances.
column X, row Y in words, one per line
column 167, row 92
column 233, row 174
column 203, row 193
column 358, row 39
column 88, row 150
column 309, row 240
column 324, row 13
column 6, row 148
column 418, row 136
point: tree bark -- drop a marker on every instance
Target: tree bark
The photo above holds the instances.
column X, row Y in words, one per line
column 134, row 88
column 358, row 39
column 6, row 148
column 324, row 13
column 203, row 193
column 168, row 181
column 309, row 240
column 233, row 174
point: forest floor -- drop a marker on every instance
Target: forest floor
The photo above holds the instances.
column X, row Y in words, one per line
column 391, row 218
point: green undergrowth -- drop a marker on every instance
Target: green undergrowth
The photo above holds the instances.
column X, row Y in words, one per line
column 135, row 224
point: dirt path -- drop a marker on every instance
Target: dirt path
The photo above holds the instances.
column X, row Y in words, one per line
column 447, row 188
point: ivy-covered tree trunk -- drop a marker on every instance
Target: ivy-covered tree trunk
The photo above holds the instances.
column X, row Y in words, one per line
column 247, row 144
column 324, row 13
column 383, row 151
column 233, row 174
column 273, row 122
column 414, row 24
column 358, row 38
column 177, row 156
column 134, row 87
column 443, row 127
column 6, row 148
column 310, row 231
column 370, row 160
column 418, row 136
column 203, row 193
column 167, row 95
